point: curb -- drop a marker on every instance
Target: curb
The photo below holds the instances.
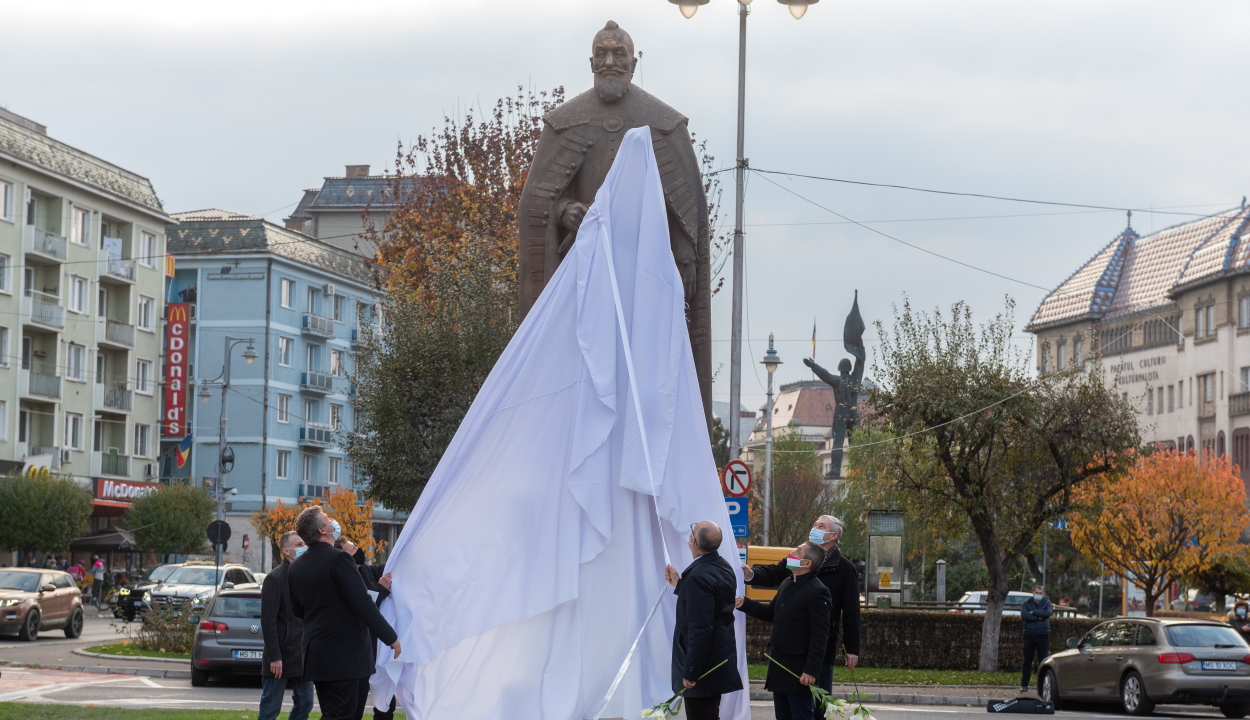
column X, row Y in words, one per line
column 759, row 694
column 80, row 651
column 146, row 672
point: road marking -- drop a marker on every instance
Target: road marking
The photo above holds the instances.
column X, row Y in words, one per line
column 148, row 681
column 56, row 687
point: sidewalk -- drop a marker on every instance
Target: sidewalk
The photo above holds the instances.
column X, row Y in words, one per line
column 956, row 695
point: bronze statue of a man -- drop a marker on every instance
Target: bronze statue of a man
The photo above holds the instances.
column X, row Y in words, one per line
column 576, row 150
column 847, row 385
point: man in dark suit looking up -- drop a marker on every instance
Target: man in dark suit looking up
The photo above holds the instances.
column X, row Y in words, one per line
column 704, row 633
column 338, row 614
column 800, row 617
column 838, row 575
column 282, row 661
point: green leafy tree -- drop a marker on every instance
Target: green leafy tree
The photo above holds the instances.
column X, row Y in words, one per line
column 799, row 491
column 42, row 513
column 720, row 443
column 975, row 435
column 172, row 519
column 1226, row 574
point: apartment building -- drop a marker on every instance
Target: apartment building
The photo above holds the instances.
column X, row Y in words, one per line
column 82, row 261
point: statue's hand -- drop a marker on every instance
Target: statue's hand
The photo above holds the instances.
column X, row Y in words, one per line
column 573, row 215
column 808, row 362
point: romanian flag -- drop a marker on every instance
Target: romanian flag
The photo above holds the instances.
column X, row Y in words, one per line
column 813, row 338
column 183, row 451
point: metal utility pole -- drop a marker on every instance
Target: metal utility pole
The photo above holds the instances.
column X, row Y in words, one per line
column 735, row 342
column 225, row 455
column 770, row 362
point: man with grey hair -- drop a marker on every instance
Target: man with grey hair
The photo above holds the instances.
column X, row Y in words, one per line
column 838, row 575
column 703, row 635
column 282, row 660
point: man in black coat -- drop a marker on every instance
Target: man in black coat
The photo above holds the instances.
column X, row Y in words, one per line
column 838, row 575
column 338, row 614
column 282, row 661
column 800, row 617
column 704, row 633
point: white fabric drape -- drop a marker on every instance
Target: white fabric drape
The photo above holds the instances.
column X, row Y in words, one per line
column 534, row 554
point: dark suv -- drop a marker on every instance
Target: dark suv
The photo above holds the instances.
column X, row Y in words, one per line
column 136, row 598
column 228, row 638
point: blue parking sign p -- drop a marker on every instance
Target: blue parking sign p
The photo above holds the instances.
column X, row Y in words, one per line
column 737, row 507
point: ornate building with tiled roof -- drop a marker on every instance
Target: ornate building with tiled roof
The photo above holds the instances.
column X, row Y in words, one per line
column 1169, row 313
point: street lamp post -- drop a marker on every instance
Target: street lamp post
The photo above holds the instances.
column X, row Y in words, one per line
column 225, row 455
column 770, row 362
column 688, row 8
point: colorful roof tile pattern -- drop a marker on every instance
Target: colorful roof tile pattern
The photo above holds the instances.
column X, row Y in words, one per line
column 1135, row 273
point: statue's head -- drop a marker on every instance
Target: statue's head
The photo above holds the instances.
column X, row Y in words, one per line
column 844, row 367
column 612, row 61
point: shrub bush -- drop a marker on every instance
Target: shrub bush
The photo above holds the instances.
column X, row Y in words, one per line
column 164, row 628
column 932, row 640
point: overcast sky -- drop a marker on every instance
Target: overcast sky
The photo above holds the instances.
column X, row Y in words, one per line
column 243, row 104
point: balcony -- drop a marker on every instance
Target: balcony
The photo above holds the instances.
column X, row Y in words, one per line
column 42, row 450
column 1239, row 404
column 316, row 435
column 43, row 385
column 46, row 309
column 119, row 269
column 309, row 491
column 113, row 464
column 318, row 325
column 118, row 399
column 361, row 336
column 46, row 244
column 316, row 382
column 119, row 334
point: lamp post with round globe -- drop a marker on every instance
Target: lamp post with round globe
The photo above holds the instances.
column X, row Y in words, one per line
column 770, row 362
column 225, row 455
column 688, row 8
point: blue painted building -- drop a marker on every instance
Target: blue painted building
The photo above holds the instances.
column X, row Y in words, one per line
column 300, row 302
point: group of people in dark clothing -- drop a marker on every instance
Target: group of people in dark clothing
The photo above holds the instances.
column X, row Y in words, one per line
column 321, row 624
column 817, row 595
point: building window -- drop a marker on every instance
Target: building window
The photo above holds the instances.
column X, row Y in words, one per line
column 4, row 347
column 337, row 368
column 312, row 300
column 1171, row 398
column 338, row 302
column 1046, row 358
column 1241, row 451
column 1245, row 379
column 1061, row 356
column 334, row 470
column 310, row 411
column 147, row 249
column 288, row 292
column 285, row 348
column 1243, row 314
column 284, row 464
column 336, row 416
column 1204, row 322
column 284, row 408
column 4, row 420
column 5, row 264
column 143, row 440
column 73, row 431
column 1159, row 403
column 311, row 356
column 1150, row 402
column 147, row 311
column 1180, row 393
column 76, row 362
column 80, row 230
column 6, row 201
column 143, row 377
column 308, row 469
column 1077, row 347
column 78, row 287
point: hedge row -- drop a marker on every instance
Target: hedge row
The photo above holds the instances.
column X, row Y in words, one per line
column 932, row 640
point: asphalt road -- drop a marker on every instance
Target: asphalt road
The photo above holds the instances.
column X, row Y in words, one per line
column 53, row 648
column 243, row 693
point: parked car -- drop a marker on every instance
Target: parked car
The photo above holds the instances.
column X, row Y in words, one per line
column 199, row 581
column 32, row 600
column 974, row 602
column 136, row 598
column 1140, row 662
column 228, row 637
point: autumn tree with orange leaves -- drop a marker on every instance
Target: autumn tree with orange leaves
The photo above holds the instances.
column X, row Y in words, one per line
column 355, row 518
column 1167, row 517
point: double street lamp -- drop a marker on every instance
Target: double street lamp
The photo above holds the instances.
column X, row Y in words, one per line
column 688, row 8
column 770, row 362
column 225, row 455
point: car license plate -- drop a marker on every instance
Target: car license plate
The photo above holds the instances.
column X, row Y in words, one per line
column 255, row 655
column 1211, row 665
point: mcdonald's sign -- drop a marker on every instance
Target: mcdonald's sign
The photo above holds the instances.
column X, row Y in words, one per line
column 177, row 333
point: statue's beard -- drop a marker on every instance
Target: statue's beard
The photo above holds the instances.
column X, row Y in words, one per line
column 611, row 87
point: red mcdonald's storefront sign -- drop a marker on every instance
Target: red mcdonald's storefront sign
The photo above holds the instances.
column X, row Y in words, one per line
column 176, row 334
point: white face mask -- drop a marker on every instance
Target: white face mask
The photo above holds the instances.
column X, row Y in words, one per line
column 338, row 530
column 300, row 551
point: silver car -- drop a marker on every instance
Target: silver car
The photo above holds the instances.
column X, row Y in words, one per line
column 1140, row 662
column 228, row 637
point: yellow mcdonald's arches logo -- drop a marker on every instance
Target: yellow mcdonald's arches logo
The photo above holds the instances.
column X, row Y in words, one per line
column 178, row 312
column 39, row 472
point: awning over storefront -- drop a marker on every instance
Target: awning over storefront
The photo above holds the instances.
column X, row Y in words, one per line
column 108, row 539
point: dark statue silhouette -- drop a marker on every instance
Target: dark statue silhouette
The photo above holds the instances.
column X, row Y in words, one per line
column 847, row 385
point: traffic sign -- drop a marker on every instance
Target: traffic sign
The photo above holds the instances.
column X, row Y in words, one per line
column 736, row 478
column 737, row 508
column 245, row 542
column 218, row 532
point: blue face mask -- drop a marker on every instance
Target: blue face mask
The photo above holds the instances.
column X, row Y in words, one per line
column 300, row 551
column 1241, row 612
column 338, row 530
column 1037, row 597
column 816, row 536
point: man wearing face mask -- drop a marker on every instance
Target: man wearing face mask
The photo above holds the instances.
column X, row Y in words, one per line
column 800, row 617
column 282, row 661
column 838, row 575
column 338, row 614
column 1035, row 612
column 1239, row 618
